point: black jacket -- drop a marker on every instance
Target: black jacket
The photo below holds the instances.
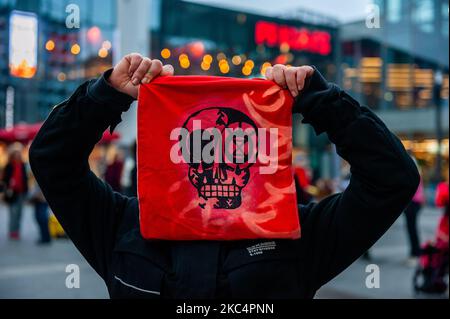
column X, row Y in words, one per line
column 104, row 225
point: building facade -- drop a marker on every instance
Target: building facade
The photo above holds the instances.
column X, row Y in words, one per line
column 66, row 53
column 400, row 69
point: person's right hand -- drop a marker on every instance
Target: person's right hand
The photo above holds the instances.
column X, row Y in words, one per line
column 133, row 70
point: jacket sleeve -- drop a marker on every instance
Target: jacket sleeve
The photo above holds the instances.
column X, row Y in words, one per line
column 339, row 229
column 86, row 207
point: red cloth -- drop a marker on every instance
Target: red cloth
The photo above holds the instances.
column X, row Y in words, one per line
column 200, row 200
column 16, row 182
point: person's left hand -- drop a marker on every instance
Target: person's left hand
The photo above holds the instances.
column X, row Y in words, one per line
column 292, row 78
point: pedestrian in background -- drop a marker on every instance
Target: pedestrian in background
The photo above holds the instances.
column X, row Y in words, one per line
column 411, row 215
column 442, row 201
column 15, row 181
column 41, row 214
column 302, row 183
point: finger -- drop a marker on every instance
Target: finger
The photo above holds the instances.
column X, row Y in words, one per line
column 140, row 72
column 167, row 70
column 135, row 60
column 278, row 75
column 301, row 76
column 291, row 80
column 307, row 72
column 155, row 70
column 269, row 73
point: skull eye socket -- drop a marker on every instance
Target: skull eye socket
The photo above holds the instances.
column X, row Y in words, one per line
column 240, row 147
column 204, row 154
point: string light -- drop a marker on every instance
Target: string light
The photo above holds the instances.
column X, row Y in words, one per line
column 50, row 45
column 61, row 77
column 165, row 53
column 246, row 70
column 205, row 66
column 207, row 59
column 103, row 53
column 250, row 64
column 264, row 68
column 183, row 56
column 75, row 49
column 236, row 60
column 185, row 63
column 107, row 45
column 223, row 62
column 221, row 56
column 225, row 68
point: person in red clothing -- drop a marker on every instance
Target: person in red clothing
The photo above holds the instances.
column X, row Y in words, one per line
column 442, row 201
column 16, row 187
column 431, row 275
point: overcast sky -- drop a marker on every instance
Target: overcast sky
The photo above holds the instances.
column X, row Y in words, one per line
column 344, row 10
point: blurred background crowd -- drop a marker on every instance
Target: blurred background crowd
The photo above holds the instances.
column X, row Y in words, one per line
column 391, row 55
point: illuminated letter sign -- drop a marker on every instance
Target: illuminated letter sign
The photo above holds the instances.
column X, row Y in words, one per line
column 23, row 33
column 272, row 35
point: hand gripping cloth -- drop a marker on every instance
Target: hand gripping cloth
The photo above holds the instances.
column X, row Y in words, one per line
column 214, row 160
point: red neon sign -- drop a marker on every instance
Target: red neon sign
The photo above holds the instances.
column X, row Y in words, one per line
column 272, row 35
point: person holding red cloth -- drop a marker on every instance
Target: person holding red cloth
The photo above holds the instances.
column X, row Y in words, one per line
column 104, row 225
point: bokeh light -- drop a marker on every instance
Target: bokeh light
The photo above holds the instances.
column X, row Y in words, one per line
column 185, row 63
column 246, row 70
column 94, row 35
column 225, row 68
column 103, row 53
column 61, row 77
column 50, row 45
column 236, row 60
column 205, row 66
column 221, row 56
column 208, row 59
column 107, row 45
column 165, row 53
column 250, row 64
column 75, row 49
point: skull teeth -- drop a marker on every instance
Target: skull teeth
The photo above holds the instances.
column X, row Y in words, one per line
column 215, row 191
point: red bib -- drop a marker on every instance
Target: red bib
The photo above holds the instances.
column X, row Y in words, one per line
column 214, row 160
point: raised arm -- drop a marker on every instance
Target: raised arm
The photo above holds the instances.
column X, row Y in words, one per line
column 87, row 208
column 339, row 229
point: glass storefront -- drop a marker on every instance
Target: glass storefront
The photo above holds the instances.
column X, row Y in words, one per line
column 205, row 40
column 425, row 152
column 395, row 67
column 213, row 41
column 398, row 81
column 66, row 54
